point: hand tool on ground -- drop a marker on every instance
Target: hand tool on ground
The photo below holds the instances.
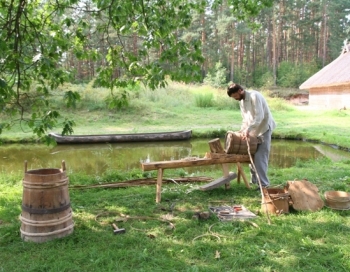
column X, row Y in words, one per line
column 117, row 230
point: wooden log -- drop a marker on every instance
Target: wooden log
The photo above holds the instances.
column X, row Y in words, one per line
column 191, row 163
column 141, row 182
column 215, row 146
column 218, row 182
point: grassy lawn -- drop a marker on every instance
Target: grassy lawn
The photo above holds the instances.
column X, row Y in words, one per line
column 207, row 111
column 165, row 236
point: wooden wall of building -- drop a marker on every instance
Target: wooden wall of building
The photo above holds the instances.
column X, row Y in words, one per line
column 336, row 97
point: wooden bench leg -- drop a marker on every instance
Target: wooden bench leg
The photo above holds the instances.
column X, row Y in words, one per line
column 240, row 171
column 226, row 172
column 159, row 185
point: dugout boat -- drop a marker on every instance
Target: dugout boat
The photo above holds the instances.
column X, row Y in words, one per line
column 122, row 138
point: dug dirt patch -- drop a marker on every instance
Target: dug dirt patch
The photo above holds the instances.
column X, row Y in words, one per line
column 299, row 99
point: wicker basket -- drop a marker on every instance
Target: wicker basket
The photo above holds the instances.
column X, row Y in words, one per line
column 337, row 200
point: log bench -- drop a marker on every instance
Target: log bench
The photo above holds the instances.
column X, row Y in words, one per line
column 216, row 156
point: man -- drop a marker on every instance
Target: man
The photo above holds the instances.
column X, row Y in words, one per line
column 258, row 122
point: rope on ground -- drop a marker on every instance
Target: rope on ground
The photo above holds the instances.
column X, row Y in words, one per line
column 203, row 235
column 124, row 218
column 217, row 235
column 210, row 227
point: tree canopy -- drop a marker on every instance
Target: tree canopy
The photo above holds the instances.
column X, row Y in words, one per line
column 133, row 41
column 116, row 44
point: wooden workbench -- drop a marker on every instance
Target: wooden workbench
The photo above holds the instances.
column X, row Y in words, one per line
column 209, row 159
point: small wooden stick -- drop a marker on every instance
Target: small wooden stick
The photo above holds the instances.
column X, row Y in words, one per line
column 63, row 166
column 159, row 185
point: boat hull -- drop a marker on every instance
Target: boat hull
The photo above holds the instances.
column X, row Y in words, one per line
column 120, row 138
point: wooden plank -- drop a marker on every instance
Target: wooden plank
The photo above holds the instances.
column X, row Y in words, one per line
column 218, row 182
column 192, row 162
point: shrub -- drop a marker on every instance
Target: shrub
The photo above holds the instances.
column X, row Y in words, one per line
column 117, row 100
column 263, row 77
column 204, row 100
column 217, row 76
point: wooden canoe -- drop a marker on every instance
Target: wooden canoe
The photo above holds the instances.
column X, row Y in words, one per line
column 122, row 138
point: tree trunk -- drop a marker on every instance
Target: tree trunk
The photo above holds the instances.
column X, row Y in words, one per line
column 274, row 34
column 324, row 33
column 232, row 70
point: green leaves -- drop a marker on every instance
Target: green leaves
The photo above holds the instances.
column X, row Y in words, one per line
column 244, row 9
column 117, row 101
column 71, row 98
column 4, row 126
column 41, row 123
column 68, row 126
column 32, row 45
column 5, row 92
column 153, row 50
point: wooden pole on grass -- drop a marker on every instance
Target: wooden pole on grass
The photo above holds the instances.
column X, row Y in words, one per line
column 259, row 182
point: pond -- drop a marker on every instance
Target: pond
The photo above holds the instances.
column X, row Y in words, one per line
column 98, row 158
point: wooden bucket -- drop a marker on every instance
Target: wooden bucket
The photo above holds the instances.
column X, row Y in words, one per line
column 46, row 211
column 234, row 144
column 276, row 200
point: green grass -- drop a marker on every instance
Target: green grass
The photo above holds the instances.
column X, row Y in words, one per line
column 175, row 108
column 204, row 100
column 298, row 241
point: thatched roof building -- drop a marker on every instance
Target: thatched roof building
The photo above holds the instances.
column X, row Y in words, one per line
column 330, row 87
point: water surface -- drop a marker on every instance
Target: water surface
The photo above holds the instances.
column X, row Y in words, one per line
column 99, row 158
